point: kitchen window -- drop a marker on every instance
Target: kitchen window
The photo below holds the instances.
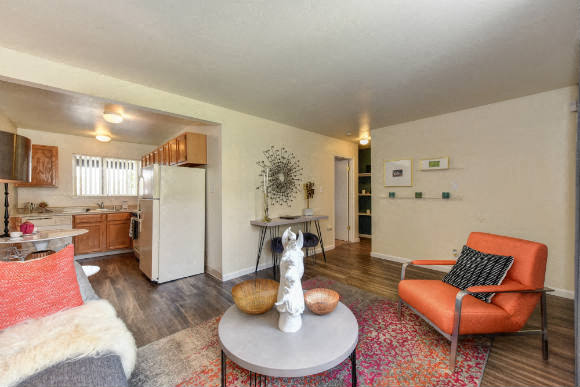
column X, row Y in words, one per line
column 103, row 176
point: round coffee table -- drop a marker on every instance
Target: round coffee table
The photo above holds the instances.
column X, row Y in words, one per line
column 255, row 343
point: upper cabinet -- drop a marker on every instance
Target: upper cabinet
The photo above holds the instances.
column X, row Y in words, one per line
column 44, row 162
column 188, row 149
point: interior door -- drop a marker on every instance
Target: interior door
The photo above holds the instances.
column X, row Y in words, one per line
column 341, row 224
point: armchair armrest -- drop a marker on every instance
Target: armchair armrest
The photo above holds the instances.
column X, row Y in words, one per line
column 511, row 288
column 422, row 262
column 425, row 262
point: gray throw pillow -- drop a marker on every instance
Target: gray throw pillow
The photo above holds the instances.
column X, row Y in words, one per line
column 87, row 291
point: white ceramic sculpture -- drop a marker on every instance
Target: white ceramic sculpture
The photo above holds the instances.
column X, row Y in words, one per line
column 290, row 296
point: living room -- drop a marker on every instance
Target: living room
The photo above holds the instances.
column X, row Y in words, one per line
column 472, row 127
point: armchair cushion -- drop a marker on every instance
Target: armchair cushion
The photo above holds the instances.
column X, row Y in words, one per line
column 436, row 301
column 474, row 268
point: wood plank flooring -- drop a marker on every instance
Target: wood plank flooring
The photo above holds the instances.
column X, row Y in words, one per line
column 154, row 311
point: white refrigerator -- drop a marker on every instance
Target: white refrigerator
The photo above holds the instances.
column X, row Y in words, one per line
column 171, row 242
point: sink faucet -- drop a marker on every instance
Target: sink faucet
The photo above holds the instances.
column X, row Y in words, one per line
column 101, row 205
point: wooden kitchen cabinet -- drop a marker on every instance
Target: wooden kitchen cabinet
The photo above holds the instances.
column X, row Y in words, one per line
column 187, row 149
column 161, row 155
column 106, row 232
column 44, row 160
column 173, row 152
column 118, row 231
column 195, row 149
column 166, row 153
column 96, row 239
column 181, row 148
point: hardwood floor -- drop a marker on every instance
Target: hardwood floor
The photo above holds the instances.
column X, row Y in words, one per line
column 154, row 311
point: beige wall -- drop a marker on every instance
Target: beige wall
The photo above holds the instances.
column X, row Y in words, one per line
column 512, row 173
column 242, row 148
column 6, row 125
column 62, row 196
column 243, row 138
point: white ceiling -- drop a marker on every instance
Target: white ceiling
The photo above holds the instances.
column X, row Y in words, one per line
column 329, row 66
column 51, row 111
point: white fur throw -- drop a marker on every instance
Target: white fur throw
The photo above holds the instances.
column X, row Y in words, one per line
column 92, row 329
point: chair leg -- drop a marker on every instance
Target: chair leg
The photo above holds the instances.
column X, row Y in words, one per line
column 455, row 333
column 544, row 313
column 453, row 354
column 399, row 308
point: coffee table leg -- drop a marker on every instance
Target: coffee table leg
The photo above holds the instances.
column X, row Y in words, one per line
column 353, row 363
column 223, row 369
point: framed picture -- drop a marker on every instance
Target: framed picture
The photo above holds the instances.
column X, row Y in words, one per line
column 398, row 173
column 429, row 164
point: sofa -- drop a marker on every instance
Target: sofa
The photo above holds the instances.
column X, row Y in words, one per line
column 101, row 371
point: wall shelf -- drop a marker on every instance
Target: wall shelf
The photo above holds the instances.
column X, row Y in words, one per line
column 364, row 179
column 423, row 198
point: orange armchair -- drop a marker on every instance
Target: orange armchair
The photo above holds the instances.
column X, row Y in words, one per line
column 454, row 312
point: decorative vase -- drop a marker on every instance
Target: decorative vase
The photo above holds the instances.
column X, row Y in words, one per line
column 290, row 302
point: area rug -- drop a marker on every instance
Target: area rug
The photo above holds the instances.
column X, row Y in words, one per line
column 391, row 352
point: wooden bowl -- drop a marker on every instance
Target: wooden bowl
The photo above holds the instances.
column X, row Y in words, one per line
column 321, row 301
column 255, row 296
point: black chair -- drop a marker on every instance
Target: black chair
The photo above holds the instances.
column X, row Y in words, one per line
column 310, row 241
column 277, row 250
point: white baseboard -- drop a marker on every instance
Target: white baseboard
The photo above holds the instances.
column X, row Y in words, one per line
column 102, row 254
column 213, row 272
column 557, row 291
column 250, row 270
column 561, row 292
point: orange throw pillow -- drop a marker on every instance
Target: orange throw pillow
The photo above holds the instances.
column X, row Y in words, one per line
column 38, row 288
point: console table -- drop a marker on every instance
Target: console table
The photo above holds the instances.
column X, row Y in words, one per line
column 274, row 227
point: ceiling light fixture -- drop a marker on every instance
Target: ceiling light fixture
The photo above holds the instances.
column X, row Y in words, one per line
column 103, row 138
column 364, row 141
column 112, row 114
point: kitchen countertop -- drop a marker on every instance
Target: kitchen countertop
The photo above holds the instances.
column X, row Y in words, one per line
column 43, row 236
column 61, row 212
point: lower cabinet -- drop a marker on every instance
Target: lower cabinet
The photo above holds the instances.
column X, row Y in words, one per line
column 106, row 232
column 118, row 231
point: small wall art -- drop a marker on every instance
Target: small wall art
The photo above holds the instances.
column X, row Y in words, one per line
column 433, row 164
column 398, row 173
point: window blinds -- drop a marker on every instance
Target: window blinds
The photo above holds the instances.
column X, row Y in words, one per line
column 97, row 176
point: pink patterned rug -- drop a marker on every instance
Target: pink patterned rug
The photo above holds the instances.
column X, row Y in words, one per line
column 390, row 352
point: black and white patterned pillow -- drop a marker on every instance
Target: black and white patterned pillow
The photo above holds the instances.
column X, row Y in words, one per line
column 474, row 268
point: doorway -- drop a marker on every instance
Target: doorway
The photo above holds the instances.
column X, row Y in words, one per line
column 341, row 199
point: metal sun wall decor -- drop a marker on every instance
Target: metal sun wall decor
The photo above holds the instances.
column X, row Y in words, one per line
column 282, row 173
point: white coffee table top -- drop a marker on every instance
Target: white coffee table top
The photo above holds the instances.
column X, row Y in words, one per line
column 256, row 344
